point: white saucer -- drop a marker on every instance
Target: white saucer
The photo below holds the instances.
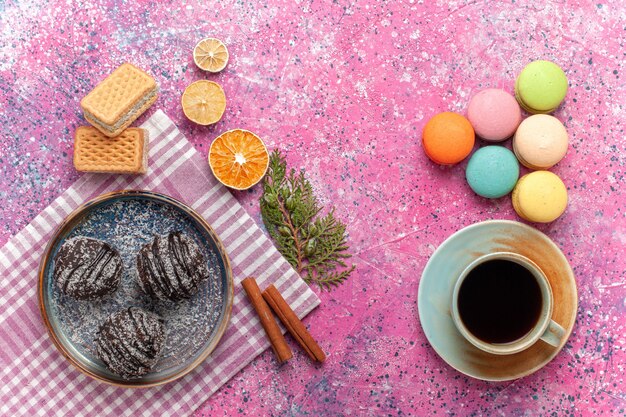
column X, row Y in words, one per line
column 445, row 265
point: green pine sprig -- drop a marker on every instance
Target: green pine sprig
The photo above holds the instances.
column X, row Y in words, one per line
column 316, row 246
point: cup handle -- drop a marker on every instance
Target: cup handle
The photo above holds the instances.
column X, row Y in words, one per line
column 553, row 334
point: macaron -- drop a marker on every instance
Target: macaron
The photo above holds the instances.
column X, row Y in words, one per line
column 540, row 197
column 541, row 87
column 540, row 141
column 448, row 138
column 494, row 114
column 492, row 171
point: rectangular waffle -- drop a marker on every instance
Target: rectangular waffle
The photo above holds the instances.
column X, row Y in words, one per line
column 120, row 99
column 126, row 153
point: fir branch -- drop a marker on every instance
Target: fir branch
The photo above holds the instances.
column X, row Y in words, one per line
column 316, row 246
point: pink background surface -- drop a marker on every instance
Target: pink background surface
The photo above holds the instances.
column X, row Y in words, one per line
column 344, row 89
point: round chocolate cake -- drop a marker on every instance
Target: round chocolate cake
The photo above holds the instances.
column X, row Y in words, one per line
column 87, row 269
column 130, row 342
column 171, row 267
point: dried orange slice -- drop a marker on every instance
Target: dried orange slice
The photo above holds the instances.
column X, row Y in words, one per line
column 238, row 159
column 211, row 55
column 204, row 102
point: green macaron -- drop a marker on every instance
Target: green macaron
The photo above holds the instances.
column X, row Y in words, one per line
column 541, row 87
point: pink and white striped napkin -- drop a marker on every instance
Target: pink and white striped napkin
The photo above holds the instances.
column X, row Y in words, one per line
column 35, row 380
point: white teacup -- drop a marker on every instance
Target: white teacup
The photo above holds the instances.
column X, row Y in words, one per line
column 544, row 328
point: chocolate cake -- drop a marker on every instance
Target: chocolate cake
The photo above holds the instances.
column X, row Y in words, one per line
column 87, row 269
column 171, row 267
column 130, row 342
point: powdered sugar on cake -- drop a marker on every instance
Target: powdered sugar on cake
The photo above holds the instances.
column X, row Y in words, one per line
column 130, row 342
column 171, row 267
column 87, row 269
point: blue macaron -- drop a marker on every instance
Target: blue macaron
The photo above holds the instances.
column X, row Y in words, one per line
column 492, row 171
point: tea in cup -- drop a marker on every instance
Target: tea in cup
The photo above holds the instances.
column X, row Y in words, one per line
column 502, row 303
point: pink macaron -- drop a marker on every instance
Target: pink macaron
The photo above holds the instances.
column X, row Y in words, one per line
column 494, row 114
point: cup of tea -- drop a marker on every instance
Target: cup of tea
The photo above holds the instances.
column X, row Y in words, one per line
column 502, row 304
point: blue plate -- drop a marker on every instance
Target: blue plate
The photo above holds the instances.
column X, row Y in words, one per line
column 434, row 298
column 127, row 220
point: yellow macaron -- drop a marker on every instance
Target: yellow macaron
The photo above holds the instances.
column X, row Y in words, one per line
column 540, row 197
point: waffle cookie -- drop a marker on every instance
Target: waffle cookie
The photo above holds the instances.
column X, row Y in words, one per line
column 120, row 99
column 123, row 154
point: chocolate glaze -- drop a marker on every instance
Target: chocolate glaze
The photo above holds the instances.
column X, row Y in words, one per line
column 171, row 267
column 87, row 269
column 130, row 342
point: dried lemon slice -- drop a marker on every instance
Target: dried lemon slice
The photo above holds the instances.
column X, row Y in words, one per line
column 238, row 159
column 204, row 102
column 211, row 55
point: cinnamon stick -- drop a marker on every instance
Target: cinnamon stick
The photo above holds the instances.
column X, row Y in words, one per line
column 293, row 323
column 279, row 344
